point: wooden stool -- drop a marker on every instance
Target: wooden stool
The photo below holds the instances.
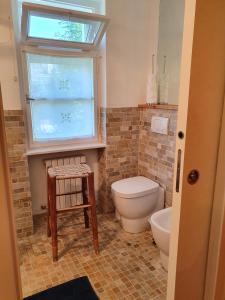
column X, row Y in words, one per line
column 68, row 172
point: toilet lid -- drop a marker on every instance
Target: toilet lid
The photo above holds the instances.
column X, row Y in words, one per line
column 134, row 187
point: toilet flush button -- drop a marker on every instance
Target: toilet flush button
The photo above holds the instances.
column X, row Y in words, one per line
column 159, row 125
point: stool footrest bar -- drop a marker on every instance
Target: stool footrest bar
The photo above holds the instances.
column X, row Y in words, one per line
column 69, row 193
column 61, row 210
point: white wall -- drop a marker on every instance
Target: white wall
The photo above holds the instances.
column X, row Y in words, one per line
column 131, row 40
column 171, row 19
column 8, row 65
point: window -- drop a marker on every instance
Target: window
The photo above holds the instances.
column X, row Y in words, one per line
column 66, row 28
column 60, row 78
column 61, row 97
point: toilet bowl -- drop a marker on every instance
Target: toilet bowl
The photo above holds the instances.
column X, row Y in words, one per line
column 160, row 223
column 136, row 199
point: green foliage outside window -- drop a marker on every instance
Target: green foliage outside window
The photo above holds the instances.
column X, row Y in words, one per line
column 71, row 31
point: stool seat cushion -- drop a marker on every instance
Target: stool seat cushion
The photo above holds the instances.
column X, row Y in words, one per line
column 69, row 171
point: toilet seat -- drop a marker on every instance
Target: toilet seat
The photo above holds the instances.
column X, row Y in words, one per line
column 134, row 187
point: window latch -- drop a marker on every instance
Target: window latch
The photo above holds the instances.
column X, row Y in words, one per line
column 28, row 99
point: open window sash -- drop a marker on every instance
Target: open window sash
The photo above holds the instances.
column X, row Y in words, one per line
column 46, row 25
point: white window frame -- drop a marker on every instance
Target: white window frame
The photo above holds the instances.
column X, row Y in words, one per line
column 96, row 6
column 28, row 7
column 59, row 142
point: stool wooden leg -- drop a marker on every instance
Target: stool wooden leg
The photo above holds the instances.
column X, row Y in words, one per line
column 91, row 198
column 53, row 216
column 48, row 208
column 85, row 201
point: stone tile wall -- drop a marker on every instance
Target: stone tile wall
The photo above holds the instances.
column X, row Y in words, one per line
column 156, row 151
column 132, row 149
column 120, row 158
column 19, row 172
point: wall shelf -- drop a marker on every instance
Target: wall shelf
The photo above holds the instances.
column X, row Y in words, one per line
column 159, row 106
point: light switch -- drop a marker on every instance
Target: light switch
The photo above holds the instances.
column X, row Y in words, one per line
column 159, row 125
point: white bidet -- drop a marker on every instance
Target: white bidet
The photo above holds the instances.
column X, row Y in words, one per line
column 161, row 223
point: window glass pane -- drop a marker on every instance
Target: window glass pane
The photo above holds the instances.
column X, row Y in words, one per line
column 63, row 93
column 52, row 77
column 58, row 120
column 62, row 28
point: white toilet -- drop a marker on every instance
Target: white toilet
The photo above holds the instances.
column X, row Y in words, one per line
column 161, row 223
column 136, row 199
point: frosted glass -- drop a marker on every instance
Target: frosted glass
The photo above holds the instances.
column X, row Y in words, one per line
column 63, row 97
column 62, row 119
column 52, row 77
column 62, row 28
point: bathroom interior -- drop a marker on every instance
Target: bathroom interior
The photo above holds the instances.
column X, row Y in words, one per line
column 112, row 105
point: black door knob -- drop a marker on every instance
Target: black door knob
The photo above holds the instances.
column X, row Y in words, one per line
column 193, row 176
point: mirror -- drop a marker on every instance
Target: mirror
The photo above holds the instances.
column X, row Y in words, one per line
column 170, row 35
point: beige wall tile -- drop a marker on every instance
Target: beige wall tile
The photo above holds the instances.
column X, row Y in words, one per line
column 132, row 149
column 19, row 172
column 156, row 151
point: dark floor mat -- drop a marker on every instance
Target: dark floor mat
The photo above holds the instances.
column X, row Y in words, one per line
column 77, row 289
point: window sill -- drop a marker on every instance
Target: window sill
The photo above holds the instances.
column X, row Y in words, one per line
column 65, row 148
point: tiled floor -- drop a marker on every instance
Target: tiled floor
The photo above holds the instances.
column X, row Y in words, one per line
column 127, row 267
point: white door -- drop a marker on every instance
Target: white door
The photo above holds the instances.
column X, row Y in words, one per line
column 199, row 120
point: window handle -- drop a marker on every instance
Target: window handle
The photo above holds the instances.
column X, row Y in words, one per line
column 28, row 99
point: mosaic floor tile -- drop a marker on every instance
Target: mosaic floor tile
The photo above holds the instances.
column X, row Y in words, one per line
column 128, row 266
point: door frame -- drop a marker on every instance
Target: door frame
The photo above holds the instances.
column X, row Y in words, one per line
column 215, row 279
column 10, row 283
